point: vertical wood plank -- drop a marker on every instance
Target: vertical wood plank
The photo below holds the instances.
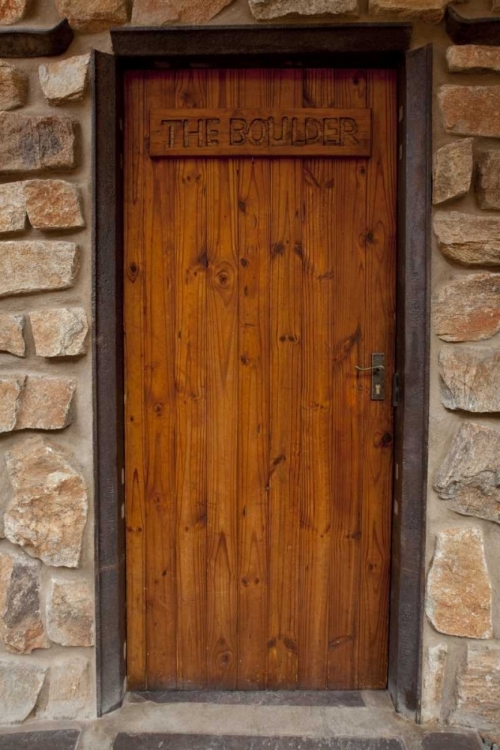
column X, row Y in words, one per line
column 254, row 206
column 378, row 418
column 222, row 404
column 350, row 392
column 285, row 401
column 316, row 479
column 191, row 261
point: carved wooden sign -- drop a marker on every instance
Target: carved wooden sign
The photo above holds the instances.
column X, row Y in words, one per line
column 260, row 132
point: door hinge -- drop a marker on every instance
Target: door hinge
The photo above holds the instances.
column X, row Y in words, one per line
column 395, row 389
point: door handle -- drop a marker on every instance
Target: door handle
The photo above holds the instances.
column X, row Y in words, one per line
column 377, row 370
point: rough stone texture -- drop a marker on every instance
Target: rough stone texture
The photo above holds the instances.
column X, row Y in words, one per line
column 471, row 110
column 65, row 80
column 468, row 308
column 53, row 204
column 10, row 392
column 12, row 11
column 473, row 58
column 431, row 11
column 70, row 613
column 467, row 239
column 470, row 379
column 12, row 207
column 264, row 9
column 93, row 16
column 48, row 512
column 20, row 685
column 30, row 144
column 69, row 689
column 469, row 478
column 434, row 674
column 488, row 180
column 479, row 688
column 35, row 402
column 459, row 598
column 60, row 332
column 452, row 171
column 161, row 12
column 21, row 627
column 37, row 266
column 13, row 87
column 12, row 334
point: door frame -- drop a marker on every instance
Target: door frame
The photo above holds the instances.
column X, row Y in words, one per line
column 375, row 45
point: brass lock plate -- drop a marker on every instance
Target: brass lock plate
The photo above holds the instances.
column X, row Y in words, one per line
column 378, row 376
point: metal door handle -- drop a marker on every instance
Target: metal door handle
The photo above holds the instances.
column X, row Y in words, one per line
column 368, row 369
column 378, row 375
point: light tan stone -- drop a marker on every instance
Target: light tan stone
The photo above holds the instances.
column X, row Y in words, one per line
column 48, row 512
column 93, row 16
column 37, row 266
column 265, row 9
column 473, row 58
column 488, row 180
column 21, row 627
column 69, row 689
column 459, row 598
column 12, row 11
column 30, row 143
column 12, row 207
column 431, row 11
column 452, row 171
column 162, row 12
column 468, row 308
column 12, row 334
column 20, row 685
column 469, row 478
column 11, row 388
column 60, row 332
column 468, row 239
column 470, row 379
column 433, row 684
column 46, row 403
column 65, row 80
column 70, row 613
column 471, row 110
column 13, row 87
column 479, row 688
column 53, row 204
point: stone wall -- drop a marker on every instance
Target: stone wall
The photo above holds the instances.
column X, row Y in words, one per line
column 46, row 510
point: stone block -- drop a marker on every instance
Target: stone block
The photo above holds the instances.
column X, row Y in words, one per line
column 33, row 266
column 61, row 332
column 11, row 388
column 12, row 334
column 31, row 402
column 470, row 379
column 452, row 171
column 459, row 595
column 53, row 204
column 479, row 688
column 470, row 110
column 13, row 87
column 473, row 58
column 12, row 207
column 69, row 689
column 12, row 11
column 431, row 11
column 21, row 627
column 265, row 9
column 20, row 685
column 468, row 239
column 30, row 143
column 488, row 180
column 93, row 16
column 48, row 512
column 65, row 80
column 468, row 308
column 70, row 613
column 162, row 12
column 434, row 674
column 469, row 478
column 45, row 739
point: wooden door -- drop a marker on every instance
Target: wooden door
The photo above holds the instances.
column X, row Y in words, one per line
column 258, row 467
